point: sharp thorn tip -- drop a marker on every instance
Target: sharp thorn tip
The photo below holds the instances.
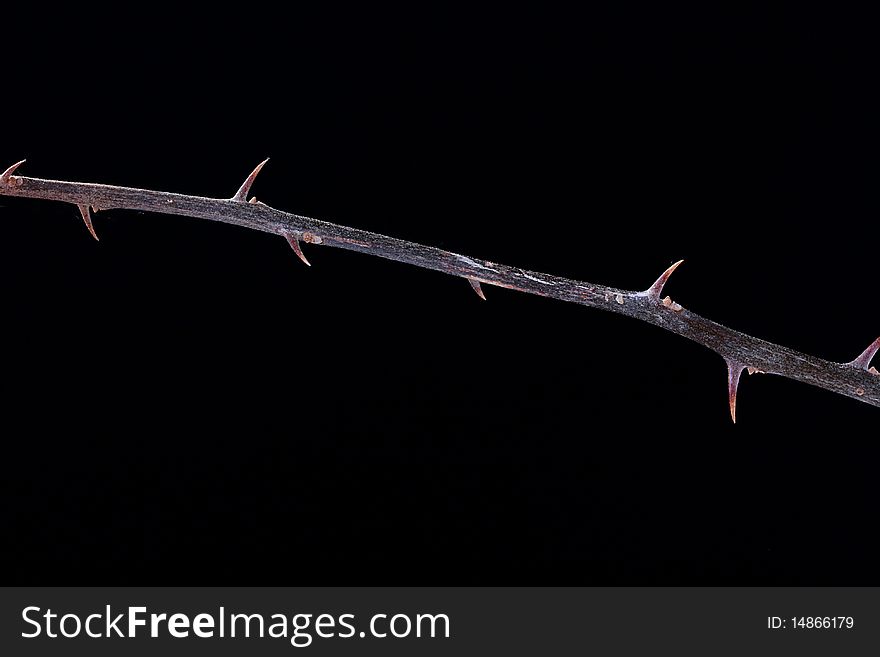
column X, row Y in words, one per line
column 479, row 290
column 294, row 244
column 655, row 289
column 4, row 177
column 734, row 371
column 241, row 195
column 87, row 219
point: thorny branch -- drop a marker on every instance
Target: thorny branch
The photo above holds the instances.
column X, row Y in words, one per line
column 740, row 351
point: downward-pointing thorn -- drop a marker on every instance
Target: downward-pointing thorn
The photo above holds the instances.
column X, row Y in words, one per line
column 294, row 244
column 241, row 194
column 655, row 290
column 4, row 177
column 734, row 370
column 477, row 288
column 87, row 218
column 864, row 359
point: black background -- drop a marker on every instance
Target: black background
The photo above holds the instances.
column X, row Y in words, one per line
column 186, row 403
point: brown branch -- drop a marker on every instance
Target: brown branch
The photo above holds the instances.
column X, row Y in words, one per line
column 740, row 351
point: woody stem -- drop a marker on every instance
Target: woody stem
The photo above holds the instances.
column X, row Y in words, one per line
column 738, row 349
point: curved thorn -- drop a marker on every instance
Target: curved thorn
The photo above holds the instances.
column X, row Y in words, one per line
column 655, row 290
column 734, row 370
column 241, row 194
column 294, row 244
column 87, row 218
column 864, row 359
column 4, row 177
column 477, row 288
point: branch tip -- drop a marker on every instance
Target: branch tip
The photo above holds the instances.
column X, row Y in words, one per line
column 241, row 194
column 87, row 218
column 734, row 371
column 6, row 175
column 654, row 291
column 476, row 285
column 864, row 358
column 294, row 244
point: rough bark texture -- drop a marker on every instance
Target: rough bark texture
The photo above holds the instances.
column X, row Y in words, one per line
column 739, row 350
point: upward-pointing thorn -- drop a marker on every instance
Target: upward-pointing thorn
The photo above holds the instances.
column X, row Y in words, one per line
column 734, row 370
column 241, row 194
column 864, row 359
column 87, row 218
column 4, row 177
column 654, row 291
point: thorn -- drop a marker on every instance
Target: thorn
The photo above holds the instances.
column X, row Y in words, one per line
column 241, row 194
column 654, row 291
column 294, row 244
column 477, row 288
column 4, row 177
column 87, row 218
column 864, row 359
column 734, row 370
